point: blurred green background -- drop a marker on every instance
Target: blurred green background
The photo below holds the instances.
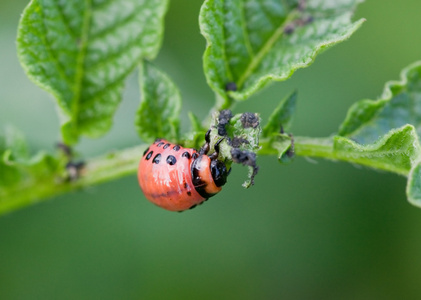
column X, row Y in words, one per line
column 308, row 230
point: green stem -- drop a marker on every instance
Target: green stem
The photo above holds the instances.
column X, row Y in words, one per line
column 125, row 162
column 97, row 170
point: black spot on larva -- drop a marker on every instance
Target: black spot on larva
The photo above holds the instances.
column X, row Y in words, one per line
column 157, row 141
column 157, row 159
column 193, row 206
column 176, row 147
column 149, row 155
column 186, row 185
column 160, row 144
column 146, row 151
column 171, row 160
column 186, row 154
column 188, row 193
column 195, row 155
column 166, row 146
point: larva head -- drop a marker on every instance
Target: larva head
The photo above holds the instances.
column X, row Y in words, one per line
column 208, row 175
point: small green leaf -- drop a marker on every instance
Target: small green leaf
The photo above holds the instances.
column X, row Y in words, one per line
column 195, row 122
column 413, row 187
column 18, row 169
column 281, row 116
column 278, row 144
column 158, row 113
column 251, row 43
column 81, row 52
column 399, row 105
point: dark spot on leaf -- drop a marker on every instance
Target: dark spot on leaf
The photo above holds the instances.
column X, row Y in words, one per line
column 249, row 120
column 231, row 86
column 67, row 150
column 236, row 142
column 223, row 119
column 289, row 28
column 171, row 160
column 157, row 159
column 166, row 146
column 74, row 169
column 176, row 147
column 149, row 155
column 186, row 154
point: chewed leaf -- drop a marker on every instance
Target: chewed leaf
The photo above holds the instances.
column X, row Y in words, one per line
column 251, row 43
column 158, row 113
column 241, row 139
column 281, row 118
column 82, row 51
column 400, row 104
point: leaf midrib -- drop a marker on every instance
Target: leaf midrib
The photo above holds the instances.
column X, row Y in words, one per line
column 80, row 63
column 256, row 59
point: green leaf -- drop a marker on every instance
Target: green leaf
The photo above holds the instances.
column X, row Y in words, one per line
column 251, row 43
column 158, row 113
column 400, row 104
column 281, row 116
column 18, row 169
column 396, row 151
column 81, row 51
column 413, row 187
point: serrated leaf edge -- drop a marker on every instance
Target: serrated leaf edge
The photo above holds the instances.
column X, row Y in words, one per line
column 386, row 96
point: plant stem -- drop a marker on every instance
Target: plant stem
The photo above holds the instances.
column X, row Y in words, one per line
column 125, row 162
column 97, row 170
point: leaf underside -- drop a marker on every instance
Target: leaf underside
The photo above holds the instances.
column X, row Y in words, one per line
column 81, row 51
column 251, row 43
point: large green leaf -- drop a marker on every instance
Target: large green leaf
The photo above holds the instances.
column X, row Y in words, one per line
column 82, row 50
column 158, row 113
column 400, row 104
column 251, row 43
